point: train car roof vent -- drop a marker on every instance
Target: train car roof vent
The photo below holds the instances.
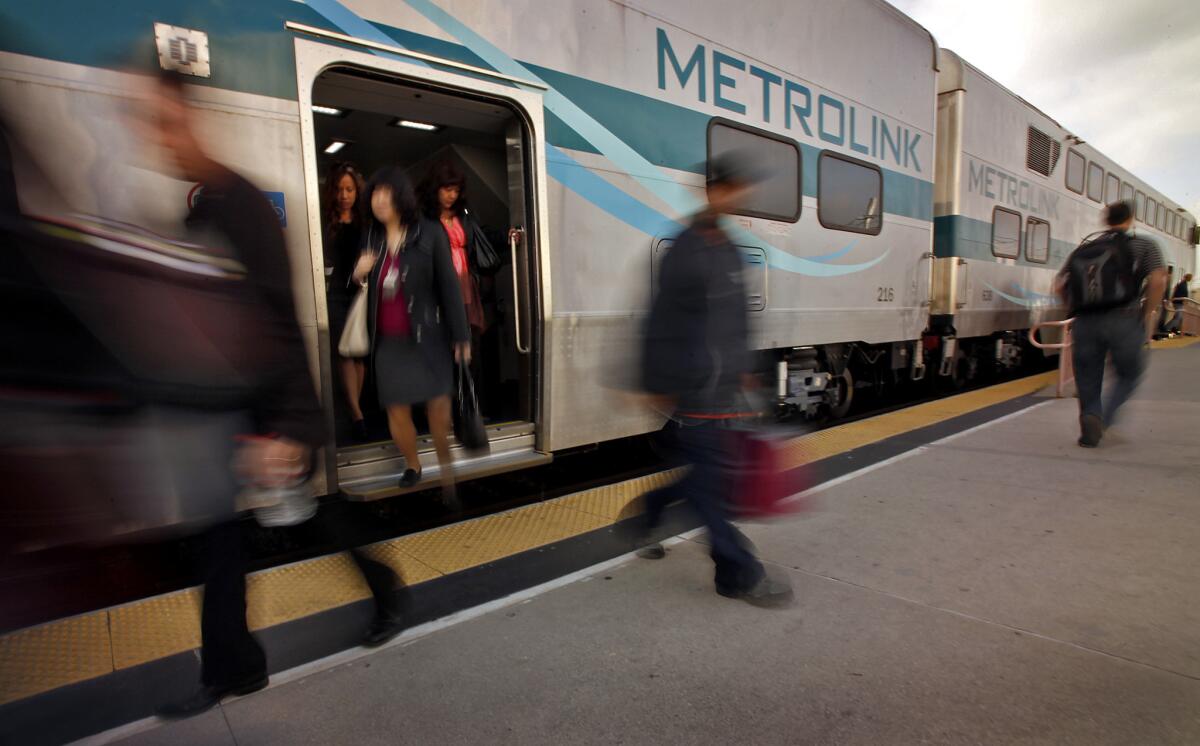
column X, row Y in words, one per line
column 184, row 50
column 1042, row 152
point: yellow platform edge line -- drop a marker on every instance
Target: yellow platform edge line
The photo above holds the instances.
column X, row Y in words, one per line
column 32, row 659
column 1173, row 344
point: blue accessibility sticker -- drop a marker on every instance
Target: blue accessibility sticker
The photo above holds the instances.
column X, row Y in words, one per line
column 276, row 200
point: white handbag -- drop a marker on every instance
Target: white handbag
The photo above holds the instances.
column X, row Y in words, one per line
column 355, row 341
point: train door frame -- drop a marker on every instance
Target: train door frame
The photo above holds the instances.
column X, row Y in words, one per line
column 525, row 98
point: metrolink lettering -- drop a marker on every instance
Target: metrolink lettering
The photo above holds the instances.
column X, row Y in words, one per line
column 831, row 119
column 1008, row 189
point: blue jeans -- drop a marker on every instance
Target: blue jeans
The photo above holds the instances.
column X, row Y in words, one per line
column 708, row 489
column 1094, row 337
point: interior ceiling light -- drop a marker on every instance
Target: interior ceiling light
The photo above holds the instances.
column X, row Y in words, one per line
column 335, row 146
column 331, row 111
column 423, row 126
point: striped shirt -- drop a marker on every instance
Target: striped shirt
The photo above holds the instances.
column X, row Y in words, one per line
column 1146, row 257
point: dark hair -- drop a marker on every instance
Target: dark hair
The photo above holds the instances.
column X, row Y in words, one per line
column 329, row 194
column 442, row 174
column 404, row 200
column 1118, row 213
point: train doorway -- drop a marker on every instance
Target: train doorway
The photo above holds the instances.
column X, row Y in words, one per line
column 372, row 119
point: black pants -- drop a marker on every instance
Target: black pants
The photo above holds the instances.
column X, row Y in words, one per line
column 708, row 489
column 229, row 654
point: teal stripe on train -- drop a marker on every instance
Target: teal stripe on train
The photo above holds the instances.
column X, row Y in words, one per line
column 252, row 53
column 961, row 236
column 249, row 48
column 641, row 121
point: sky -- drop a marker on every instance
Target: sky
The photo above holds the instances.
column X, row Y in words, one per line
column 1124, row 76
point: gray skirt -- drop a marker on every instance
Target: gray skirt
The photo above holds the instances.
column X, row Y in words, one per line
column 404, row 374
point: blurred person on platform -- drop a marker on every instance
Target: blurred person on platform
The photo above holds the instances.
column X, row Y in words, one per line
column 696, row 364
column 282, row 409
column 1113, row 284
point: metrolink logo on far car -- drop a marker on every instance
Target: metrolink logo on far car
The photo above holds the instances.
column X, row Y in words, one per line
column 275, row 198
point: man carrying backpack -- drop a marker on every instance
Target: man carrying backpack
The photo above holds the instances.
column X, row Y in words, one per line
column 1113, row 284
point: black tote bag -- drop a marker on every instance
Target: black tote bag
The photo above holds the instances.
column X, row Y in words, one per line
column 483, row 255
column 468, row 423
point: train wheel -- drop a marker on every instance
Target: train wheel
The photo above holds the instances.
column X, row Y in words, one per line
column 843, row 386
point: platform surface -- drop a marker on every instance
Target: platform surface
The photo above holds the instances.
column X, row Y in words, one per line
column 1000, row 586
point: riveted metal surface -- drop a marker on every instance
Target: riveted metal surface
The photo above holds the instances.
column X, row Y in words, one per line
column 51, row 655
column 464, row 545
column 614, row 501
column 155, row 628
column 843, row 438
column 284, row 594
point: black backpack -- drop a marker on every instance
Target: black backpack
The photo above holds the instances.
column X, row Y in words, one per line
column 1100, row 274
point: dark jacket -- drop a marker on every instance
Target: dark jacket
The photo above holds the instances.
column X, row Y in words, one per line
column 1180, row 293
column 697, row 336
column 435, row 304
column 285, row 401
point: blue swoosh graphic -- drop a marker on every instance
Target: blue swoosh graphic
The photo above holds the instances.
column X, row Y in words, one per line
column 571, row 173
column 1035, row 300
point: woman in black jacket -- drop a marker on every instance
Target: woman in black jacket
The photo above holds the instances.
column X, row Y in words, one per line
column 416, row 319
column 344, row 217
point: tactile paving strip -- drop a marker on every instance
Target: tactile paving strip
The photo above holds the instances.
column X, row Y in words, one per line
column 1173, row 344
column 42, row 658
column 844, row 438
column 51, row 655
column 473, row 543
column 155, row 627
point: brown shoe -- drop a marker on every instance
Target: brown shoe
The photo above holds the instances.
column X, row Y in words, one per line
column 1091, row 429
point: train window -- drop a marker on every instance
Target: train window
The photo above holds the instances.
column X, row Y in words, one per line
column 1151, row 211
column 1162, row 216
column 1095, row 182
column 1076, row 166
column 849, row 194
column 1139, row 205
column 1112, row 189
column 1127, row 192
column 1037, row 240
column 778, row 198
column 1006, row 233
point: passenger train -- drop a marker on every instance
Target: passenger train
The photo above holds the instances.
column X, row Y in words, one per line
column 911, row 228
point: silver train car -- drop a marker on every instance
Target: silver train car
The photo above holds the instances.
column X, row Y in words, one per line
column 587, row 125
column 1015, row 192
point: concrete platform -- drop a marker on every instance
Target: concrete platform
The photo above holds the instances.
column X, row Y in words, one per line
column 999, row 586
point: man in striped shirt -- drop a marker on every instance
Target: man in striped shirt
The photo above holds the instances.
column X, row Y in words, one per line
column 1120, row 330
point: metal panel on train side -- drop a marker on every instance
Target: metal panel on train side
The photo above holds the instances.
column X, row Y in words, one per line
column 631, row 93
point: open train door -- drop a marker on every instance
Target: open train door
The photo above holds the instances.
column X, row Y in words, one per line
column 388, row 106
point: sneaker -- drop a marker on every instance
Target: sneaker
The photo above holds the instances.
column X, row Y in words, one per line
column 768, row 592
column 653, row 551
column 1091, row 428
column 209, row 696
column 410, row 478
column 383, row 629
